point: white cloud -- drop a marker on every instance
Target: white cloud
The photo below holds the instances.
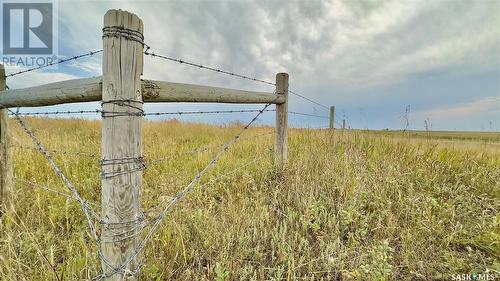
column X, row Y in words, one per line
column 488, row 105
column 341, row 47
column 350, row 43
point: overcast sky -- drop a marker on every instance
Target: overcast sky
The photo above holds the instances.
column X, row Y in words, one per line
column 370, row 59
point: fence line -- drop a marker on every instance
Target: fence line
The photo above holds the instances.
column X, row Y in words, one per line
column 52, row 190
column 147, row 53
column 178, row 197
column 97, row 111
column 217, row 70
column 54, row 151
column 127, row 106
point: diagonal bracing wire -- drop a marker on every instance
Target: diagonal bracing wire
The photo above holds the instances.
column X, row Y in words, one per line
column 225, row 175
column 91, row 53
column 87, row 210
column 158, row 219
column 85, row 205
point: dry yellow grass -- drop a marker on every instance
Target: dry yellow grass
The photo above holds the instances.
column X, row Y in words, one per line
column 348, row 206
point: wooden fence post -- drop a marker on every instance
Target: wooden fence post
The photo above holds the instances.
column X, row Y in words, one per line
column 343, row 124
column 121, row 166
column 5, row 152
column 280, row 149
column 332, row 117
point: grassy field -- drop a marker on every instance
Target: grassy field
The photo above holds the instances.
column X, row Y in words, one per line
column 444, row 135
column 348, row 206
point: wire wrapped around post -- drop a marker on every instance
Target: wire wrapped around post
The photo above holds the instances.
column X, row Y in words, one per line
column 122, row 162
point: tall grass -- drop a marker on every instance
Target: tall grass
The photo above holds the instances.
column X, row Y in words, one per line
column 348, row 206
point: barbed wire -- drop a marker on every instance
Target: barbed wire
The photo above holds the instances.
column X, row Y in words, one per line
column 58, row 112
column 215, row 69
column 158, row 219
column 97, row 111
column 206, row 112
column 54, row 151
column 147, row 164
column 254, row 160
column 308, row 99
column 307, row 114
column 89, row 213
column 52, row 190
column 201, row 150
column 91, row 53
column 181, row 61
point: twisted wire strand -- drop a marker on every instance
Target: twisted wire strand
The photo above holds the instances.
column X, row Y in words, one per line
column 52, row 190
column 138, row 161
column 41, row 148
column 204, row 185
column 59, row 112
column 97, row 111
column 176, row 198
column 308, row 99
column 215, row 69
column 53, row 151
column 87, row 209
column 122, row 32
column 142, row 113
column 307, row 114
column 206, row 112
column 91, row 53
column 147, row 53
column 197, row 150
column 127, row 103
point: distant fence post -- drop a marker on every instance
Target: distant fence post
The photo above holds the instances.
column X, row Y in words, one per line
column 332, row 117
column 343, row 124
column 5, row 152
column 121, row 166
column 280, row 149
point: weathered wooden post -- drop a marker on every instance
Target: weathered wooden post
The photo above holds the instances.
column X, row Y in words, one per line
column 121, row 166
column 280, row 149
column 332, row 117
column 5, row 152
column 343, row 124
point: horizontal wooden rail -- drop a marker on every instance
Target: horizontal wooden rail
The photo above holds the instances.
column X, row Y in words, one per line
column 78, row 90
column 89, row 89
column 158, row 91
